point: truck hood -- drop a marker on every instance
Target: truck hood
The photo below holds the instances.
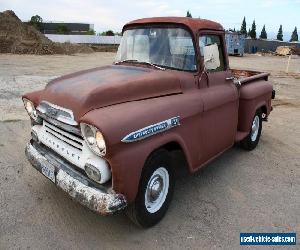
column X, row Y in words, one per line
column 104, row 86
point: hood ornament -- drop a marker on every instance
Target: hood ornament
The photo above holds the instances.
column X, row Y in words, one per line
column 56, row 112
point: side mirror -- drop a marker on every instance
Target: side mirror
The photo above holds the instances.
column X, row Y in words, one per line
column 211, row 56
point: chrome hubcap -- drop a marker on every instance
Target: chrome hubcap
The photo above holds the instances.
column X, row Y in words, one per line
column 157, row 190
column 156, row 186
column 255, row 128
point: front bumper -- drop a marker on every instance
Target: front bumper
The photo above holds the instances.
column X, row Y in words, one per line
column 96, row 197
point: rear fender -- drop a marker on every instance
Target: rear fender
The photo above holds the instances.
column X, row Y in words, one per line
column 247, row 111
column 253, row 96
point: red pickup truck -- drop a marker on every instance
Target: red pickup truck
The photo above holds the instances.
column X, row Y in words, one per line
column 106, row 135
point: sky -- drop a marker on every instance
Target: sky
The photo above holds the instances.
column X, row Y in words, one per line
column 113, row 14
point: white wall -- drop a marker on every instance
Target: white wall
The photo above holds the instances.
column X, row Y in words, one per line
column 91, row 39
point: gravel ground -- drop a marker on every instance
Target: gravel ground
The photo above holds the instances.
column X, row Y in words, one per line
column 257, row 191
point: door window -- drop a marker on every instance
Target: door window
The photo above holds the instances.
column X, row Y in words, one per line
column 209, row 40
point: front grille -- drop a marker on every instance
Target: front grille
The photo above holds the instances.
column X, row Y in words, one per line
column 65, row 136
column 69, row 146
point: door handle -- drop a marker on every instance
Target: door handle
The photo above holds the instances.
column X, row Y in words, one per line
column 229, row 78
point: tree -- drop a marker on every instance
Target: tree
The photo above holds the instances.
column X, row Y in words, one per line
column 188, row 14
column 253, row 31
column 249, row 31
column 280, row 34
column 263, row 33
column 244, row 27
column 294, row 37
column 107, row 33
column 36, row 21
column 91, row 32
column 62, row 29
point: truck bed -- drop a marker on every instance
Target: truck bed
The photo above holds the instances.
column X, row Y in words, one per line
column 246, row 76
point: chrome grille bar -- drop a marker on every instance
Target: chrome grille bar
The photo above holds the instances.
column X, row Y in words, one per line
column 72, row 140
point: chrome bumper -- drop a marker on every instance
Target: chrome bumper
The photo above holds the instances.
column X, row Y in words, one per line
column 97, row 198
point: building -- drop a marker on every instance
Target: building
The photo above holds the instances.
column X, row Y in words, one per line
column 65, row 28
column 235, row 43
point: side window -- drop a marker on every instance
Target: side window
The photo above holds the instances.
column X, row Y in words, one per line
column 208, row 40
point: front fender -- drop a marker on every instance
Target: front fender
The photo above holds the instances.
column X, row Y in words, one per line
column 127, row 159
column 127, row 164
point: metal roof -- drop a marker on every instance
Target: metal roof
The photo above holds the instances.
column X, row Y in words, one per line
column 194, row 24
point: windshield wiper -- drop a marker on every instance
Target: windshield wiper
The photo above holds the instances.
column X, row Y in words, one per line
column 153, row 65
column 141, row 62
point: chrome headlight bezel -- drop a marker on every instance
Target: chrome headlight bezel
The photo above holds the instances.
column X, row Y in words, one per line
column 94, row 139
column 93, row 173
column 30, row 108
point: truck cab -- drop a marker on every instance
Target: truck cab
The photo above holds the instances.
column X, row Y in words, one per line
column 107, row 135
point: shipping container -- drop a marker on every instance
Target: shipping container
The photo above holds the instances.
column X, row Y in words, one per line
column 235, row 43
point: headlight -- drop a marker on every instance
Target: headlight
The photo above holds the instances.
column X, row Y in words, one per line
column 94, row 138
column 30, row 109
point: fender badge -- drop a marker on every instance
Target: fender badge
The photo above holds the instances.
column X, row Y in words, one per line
column 152, row 130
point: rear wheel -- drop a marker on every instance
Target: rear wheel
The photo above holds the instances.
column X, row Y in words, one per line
column 155, row 191
column 251, row 141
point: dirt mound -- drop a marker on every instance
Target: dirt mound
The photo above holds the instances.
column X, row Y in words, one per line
column 19, row 38
column 287, row 50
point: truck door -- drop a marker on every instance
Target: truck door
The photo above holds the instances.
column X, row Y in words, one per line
column 220, row 98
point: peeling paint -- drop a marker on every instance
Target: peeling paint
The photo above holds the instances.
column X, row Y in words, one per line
column 92, row 198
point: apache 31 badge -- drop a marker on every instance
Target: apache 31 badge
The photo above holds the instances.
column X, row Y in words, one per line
column 152, row 130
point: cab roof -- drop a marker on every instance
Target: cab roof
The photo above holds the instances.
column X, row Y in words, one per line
column 194, row 24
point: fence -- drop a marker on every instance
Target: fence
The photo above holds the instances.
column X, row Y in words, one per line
column 89, row 39
column 251, row 46
column 259, row 45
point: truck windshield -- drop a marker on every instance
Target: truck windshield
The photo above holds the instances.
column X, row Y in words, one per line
column 165, row 47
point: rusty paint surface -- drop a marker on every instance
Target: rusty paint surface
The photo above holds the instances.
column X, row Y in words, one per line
column 246, row 76
column 125, row 98
column 194, row 24
column 105, row 86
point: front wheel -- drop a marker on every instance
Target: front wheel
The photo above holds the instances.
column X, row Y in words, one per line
column 155, row 191
column 251, row 141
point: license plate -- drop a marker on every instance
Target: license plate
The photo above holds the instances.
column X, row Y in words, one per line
column 48, row 171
